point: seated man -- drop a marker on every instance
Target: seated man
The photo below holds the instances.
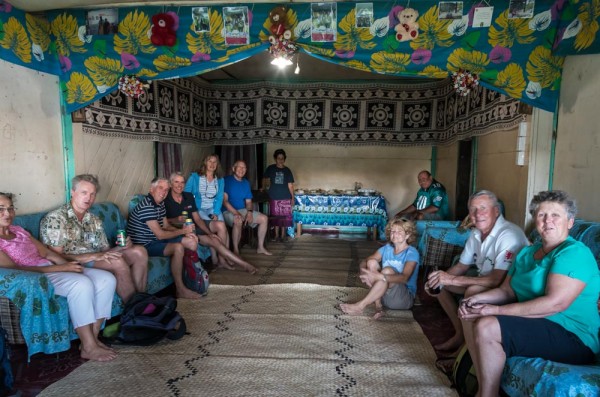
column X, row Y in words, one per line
column 178, row 201
column 237, row 203
column 78, row 235
column 148, row 226
column 491, row 247
column 431, row 202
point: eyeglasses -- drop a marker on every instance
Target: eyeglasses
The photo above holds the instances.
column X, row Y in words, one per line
column 10, row 210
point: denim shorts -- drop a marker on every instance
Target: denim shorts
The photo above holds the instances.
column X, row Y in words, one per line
column 157, row 247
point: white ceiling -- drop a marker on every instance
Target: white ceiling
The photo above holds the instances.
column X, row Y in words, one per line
column 257, row 68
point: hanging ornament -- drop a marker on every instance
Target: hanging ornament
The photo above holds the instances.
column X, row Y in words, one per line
column 131, row 86
column 464, row 81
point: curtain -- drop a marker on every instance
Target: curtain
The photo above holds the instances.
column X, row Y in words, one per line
column 230, row 154
column 168, row 157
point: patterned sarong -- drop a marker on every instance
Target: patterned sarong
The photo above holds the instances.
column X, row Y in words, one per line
column 281, row 213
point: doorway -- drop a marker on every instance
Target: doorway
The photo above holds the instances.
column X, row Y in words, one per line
column 463, row 178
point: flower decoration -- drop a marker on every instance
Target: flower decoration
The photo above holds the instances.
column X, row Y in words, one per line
column 464, row 81
column 282, row 48
column 131, row 86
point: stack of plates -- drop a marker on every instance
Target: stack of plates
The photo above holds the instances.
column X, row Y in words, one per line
column 367, row 192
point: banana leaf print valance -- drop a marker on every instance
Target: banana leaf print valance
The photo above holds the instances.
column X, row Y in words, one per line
column 521, row 57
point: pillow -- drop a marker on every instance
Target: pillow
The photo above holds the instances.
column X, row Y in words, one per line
column 440, row 253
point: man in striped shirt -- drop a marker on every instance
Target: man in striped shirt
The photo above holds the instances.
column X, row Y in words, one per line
column 149, row 227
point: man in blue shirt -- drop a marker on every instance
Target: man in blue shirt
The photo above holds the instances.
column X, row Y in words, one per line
column 238, row 209
column 431, row 202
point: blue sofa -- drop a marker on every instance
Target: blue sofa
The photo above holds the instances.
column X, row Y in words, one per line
column 525, row 376
column 32, row 314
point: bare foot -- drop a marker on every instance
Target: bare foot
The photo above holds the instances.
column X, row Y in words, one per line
column 352, row 309
column 378, row 314
column 251, row 269
column 104, row 346
column 98, row 353
column 263, row 251
column 225, row 265
column 451, row 344
column 187, row 294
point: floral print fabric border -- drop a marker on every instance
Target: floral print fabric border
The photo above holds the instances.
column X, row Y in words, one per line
column 519, row 57
column 182, row 111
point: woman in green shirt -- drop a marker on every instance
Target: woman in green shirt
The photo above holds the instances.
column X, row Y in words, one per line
column 547, row 305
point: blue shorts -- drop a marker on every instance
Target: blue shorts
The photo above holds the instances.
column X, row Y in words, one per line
column 530, row 337
column 157, row 247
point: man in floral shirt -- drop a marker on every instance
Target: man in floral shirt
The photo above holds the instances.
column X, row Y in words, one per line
column 78, row 235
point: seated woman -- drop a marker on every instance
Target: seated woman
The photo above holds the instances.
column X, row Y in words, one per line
column 394, row 283
column 89, row 292
column 207, row 185
column 546, row 306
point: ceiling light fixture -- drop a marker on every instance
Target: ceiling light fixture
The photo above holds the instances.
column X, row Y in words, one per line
column 297, row 71
column 281, row 62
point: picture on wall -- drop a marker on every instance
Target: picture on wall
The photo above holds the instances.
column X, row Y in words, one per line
column 237, row 29
column 101, row 22
column 200, row 19
column 324, row 22
column 482, row 17
column 364, row 15
column 450, row 10
column 521, row 9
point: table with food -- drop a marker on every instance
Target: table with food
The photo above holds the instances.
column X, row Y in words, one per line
column 335, row 207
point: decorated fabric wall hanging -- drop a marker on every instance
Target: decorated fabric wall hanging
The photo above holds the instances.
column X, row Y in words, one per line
column 182, row 111
column 519, row 54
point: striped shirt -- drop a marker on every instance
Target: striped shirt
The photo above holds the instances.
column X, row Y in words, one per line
column 146, row 210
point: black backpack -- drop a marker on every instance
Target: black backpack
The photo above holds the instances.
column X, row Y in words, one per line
column 463, row 374
column 148, row 319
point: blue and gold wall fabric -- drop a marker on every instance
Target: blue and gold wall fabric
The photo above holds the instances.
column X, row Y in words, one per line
column 518, row 55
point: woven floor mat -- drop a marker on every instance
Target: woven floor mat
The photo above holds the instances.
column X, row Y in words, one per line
column 272, row 340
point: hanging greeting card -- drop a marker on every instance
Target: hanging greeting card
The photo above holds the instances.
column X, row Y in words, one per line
column 237, row 28
column 101, row 22
column 450, row 10
column 200, row 19
column 482, row 17
column 521, row 9
column 364, row 15
column 324, row 22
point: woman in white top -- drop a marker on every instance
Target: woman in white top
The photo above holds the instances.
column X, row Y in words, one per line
column 207, row 186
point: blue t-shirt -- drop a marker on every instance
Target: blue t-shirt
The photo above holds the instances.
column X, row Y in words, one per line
column 574, row 260
column 237, row 192
column 397, row 262
column 279, row 177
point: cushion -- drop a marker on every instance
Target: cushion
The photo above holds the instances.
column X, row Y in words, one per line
column 440, row 253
